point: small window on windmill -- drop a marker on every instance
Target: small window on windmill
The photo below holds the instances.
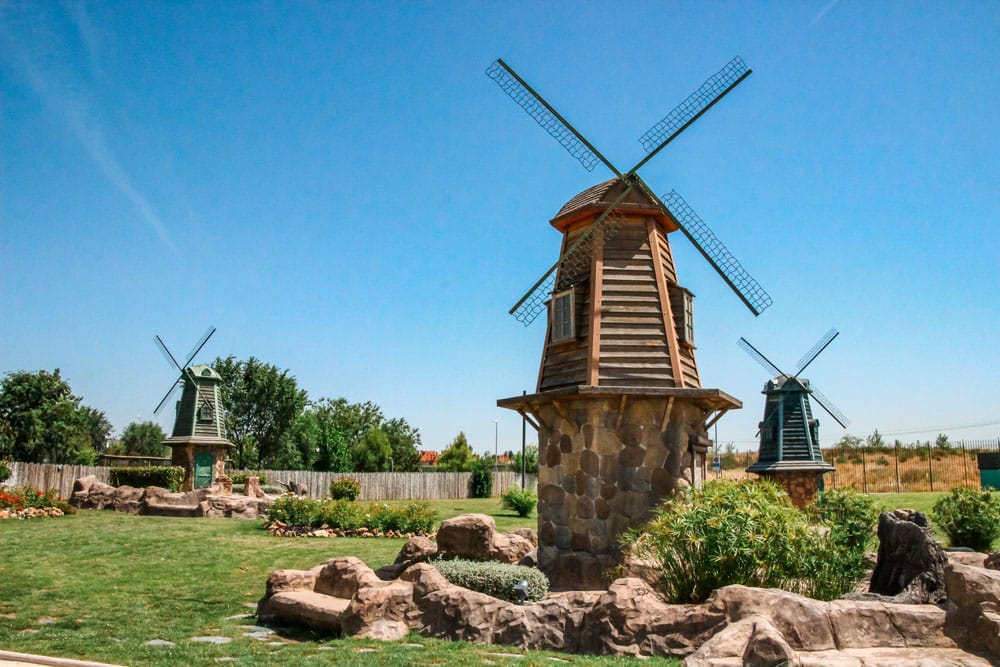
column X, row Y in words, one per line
column 205, row 412
column 563, row 319
column 682, row 303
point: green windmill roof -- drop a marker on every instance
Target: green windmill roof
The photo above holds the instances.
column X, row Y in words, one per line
column 203, row 372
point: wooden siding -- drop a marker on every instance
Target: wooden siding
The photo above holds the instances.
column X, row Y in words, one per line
column 184, row 420
column 374, row 485
column 634, row 349
column 564, row 364
column 206, row 392
column 688, row 364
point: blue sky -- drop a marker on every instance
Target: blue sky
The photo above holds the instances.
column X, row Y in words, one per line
column 342, row 191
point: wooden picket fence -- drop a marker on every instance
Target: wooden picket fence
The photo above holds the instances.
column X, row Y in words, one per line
column 374, row 485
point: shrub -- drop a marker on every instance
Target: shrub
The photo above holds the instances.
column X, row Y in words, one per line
column 496, row 579
column 521, row 501
column 749, row 533
column 5, row 471
column 295, row 510
column 970, row 517
column 167, row 477
column 835, row 561
column 849, row 515
column 345, row 488
column 23, row 497
column 347, row 515
column 482, row 479
column 241, row 477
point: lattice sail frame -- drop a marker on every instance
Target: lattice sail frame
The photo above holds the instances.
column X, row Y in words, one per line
column 695, row 104
column 654, row 140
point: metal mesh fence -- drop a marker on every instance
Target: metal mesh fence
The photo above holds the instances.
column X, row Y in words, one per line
column 891, row 469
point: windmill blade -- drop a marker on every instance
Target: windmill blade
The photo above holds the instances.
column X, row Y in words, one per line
column 828, row 405
column 716, row 253
column 166, row 397
column 166, row 353
column 811, row 355
column 573, row 262
column 687, row 112
column 546, row 116
column 759, row 357
column 200, row 344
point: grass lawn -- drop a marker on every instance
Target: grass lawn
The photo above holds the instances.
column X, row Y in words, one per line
column 99, row 584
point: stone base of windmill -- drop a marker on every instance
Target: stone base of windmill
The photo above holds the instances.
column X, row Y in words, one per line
column 606, row 458
column 800, row 479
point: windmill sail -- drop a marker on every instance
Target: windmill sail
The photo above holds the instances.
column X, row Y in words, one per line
column 717, row 254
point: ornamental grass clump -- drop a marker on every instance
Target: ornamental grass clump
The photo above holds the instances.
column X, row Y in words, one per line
column 522, row 501
column 495, row 579
column 970, row 517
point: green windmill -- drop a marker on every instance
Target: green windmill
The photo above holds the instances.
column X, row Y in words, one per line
column 789, row 449
column 198, row 442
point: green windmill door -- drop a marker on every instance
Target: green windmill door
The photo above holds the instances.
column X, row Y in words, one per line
column 203, row 465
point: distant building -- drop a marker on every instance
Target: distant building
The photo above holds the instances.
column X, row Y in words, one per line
column 428, row 459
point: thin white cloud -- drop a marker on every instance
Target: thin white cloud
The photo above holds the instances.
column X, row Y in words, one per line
column 823, row 12
column 72, row 109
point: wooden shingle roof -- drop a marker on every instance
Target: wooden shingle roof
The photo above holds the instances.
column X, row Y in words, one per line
column 599, row 197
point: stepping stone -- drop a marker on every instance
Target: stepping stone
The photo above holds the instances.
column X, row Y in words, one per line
column 276, row 643
column 558, row 659
column 505, row 655
column 325, row 648
column 413, row 645
column 158, row 642
column 45, row 620
column 256, row 628
column 367, row 650
column 212, row 639
column 237, row 617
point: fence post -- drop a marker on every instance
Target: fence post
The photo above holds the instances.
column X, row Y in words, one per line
column 930, row 465
column 864, row 471
column 897, row 466
column 965, row 464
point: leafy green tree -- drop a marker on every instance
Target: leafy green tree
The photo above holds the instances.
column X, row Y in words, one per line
column 372, row 452
column 261, row 405
column 405, row 443
column 144, row 439
column 942, row 443
column 875, row 440
column 530, row 459
column 457, row 457
column 42, row 420
column 100, row 428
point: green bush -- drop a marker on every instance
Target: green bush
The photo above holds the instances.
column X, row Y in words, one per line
column 482, row 479
column 850, row 516
column 241, row 477
column 345, row 488
column 5, row 471
column 835, row 561
column 970, row 517
column 496, row 579
column 749, row 533
column 167, row 477
column 521, row 501
column 295, row 510
column 347, row 515
column 23, row 497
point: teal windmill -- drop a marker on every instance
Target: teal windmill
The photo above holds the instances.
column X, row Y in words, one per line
column 789, row 449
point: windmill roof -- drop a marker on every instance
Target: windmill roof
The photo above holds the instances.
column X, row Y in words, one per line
column 204, row 371
column 597, row 198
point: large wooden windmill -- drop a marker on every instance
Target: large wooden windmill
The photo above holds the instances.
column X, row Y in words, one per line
column 619, row 407
column 789, row 450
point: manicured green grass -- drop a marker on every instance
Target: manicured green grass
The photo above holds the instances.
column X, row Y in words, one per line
column 111, row 582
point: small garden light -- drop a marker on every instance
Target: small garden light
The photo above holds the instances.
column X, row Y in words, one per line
column 521, row 591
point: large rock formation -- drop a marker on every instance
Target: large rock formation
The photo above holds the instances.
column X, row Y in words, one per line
column 90, row 493
column 910, row 565
column 736, row 626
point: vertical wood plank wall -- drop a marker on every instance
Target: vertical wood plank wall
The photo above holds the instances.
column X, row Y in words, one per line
column 374, row 485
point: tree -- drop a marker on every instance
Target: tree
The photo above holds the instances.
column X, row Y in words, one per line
column 42, row 420
column 405, row 443
column 530, row 458
column 942, row 443
column 100, row 428
column 457, row 457
column 261, row 405
column 144, row 439
column 372, row 452
column 875, row 440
